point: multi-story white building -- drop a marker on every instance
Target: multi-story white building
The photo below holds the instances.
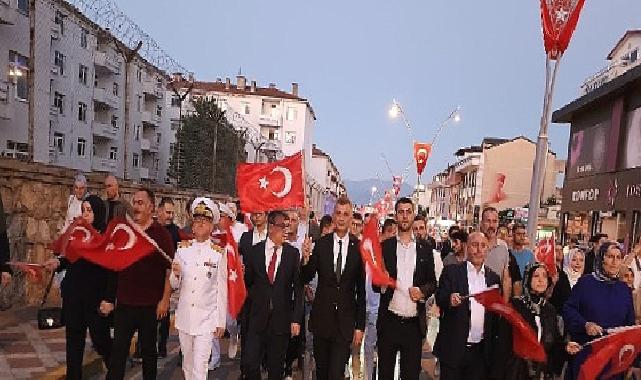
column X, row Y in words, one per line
column 81, row 96
column 325, row 184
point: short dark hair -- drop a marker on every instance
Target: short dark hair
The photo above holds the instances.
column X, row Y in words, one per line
column 164, row 201
column 460, row 236
column 311, row 215
column 357, row 216
column 325, row 221
column 488, row 209
column 150, row 194
column 518, row 226
column 367, row 214
column 388, row 223
column 343, row 200
column 403, row 200
column 271, row 217
column 453, row 229
column 420, row 218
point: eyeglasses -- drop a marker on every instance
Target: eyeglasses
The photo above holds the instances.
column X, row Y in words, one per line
column 357, row 225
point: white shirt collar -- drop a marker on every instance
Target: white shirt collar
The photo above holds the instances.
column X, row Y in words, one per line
column 344, row 239
column 471, row 268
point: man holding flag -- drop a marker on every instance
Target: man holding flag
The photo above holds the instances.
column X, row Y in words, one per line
column 143, row 291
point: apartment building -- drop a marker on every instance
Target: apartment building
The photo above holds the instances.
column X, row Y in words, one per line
column 91, row 110
column 325, row 184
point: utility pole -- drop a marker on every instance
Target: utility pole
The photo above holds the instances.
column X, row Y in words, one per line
column 181, row 98
column 31, row 79
column 128, row 55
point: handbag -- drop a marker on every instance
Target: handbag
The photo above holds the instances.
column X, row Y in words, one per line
column 49, row 317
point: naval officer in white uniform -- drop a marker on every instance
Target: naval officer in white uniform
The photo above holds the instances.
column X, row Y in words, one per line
column 199, row 271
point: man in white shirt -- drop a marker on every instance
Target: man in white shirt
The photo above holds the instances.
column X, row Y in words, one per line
column 237, row 228
column 463, row 344
column 74, row 204
column 199, row 271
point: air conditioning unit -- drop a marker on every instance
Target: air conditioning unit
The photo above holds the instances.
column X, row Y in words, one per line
column 55, row 70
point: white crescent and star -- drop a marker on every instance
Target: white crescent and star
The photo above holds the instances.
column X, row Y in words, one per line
column 628, row 348
column 287, row 187
column 131, row 237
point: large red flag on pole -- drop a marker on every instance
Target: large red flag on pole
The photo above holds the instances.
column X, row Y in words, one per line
column 372, row 254
column 276, row 185
column 524, row 341
column 236, row 291
column 618, row 349
column 422, row 153
column 545, row 254
column 559, row 19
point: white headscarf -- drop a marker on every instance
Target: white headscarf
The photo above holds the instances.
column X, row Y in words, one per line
column 574, row 276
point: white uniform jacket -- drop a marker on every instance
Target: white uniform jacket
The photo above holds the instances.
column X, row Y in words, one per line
column 202, row 298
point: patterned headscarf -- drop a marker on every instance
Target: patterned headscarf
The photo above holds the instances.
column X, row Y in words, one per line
column 599, row 273
column 533, row 301
column 573, row 276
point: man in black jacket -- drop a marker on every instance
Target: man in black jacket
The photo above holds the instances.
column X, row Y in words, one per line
column 463, row 345
column 402, row 324
column 338, row 312
column 272, row 277
column 257, row 234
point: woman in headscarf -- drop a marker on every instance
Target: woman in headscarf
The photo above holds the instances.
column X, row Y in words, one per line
column 576, row 265
column 88, row 296
column 561, row 287
column 598, row 302
column 541, row 315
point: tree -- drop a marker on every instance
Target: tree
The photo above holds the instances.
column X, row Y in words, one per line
column 192, row 163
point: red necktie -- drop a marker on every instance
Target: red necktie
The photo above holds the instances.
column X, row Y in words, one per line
column 272, row 267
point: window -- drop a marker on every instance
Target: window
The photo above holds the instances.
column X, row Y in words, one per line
column 83, row 37
column 113, row 153
column 246, row 108
column 175, row 101
column 59, row 142
column 59, row 62
column 158, row 138
column 20, row 64
column 273, row 112
column 136, row 160
column 59, row 102
column 95, row 79
column 172, row 147
column 114, row 121
column 290, row 137
column 82, row 111
column 634, row 55
column 23, row 6
column 158, row 111
column 82, row 74
column 291, row 113
column 272, row 135
column 137, row 132
column 115, row 89
column 16, row 150
column 139, row 103
column 156, row 163
column 80, row 147
column 59, row 20
column 139, row 75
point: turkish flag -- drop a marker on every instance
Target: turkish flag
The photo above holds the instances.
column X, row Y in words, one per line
column 545, row 254
column 559, row 19
column 236, row 290
column 499, row 194
column 422, row 153
column 618, row 350
column 33, row 272
column 272, row 186
column 79, row 230
column 524, row 340
column 122, row 244
column 372, row 255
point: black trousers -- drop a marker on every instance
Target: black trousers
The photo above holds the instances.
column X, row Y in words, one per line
column 331, row 356
column 266, row 344
column 80, row 315
column 399, row 335
column 129, row 319
column 295, row 348
column 472, row 367
column 163, row 333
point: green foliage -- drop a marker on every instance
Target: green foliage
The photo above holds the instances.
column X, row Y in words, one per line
column 192, row 163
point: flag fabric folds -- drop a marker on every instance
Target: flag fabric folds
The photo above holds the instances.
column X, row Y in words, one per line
column 78, row 230
column 524, row 340
column 545, row 254
column 236, row 290
column 559, row 19
column 372, row 255
column 422, row 153
column 615, row 353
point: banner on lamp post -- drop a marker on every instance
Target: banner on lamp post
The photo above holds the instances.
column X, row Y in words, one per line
column 559, row 19
column 422, row 153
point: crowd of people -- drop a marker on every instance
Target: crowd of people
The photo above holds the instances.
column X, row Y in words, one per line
column 311, row 300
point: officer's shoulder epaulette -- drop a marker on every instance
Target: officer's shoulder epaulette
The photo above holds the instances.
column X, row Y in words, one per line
column 184, row 244
column 217, row 248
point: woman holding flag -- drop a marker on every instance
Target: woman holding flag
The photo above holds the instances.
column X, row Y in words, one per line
column 598, row 302
column 88, row 294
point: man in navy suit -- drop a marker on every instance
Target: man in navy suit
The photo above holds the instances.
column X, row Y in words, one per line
column 402, row 324
column 272, row 271
column 463, row 345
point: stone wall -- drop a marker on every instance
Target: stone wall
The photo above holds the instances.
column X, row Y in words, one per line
column 35, row 202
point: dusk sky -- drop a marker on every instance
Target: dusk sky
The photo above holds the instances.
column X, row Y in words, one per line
column 353, row 57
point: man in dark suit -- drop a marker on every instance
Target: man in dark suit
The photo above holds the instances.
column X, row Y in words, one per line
column 338, row 312
column 257, row 234
column 463, row 345
column 402, row 324
column 272, row 277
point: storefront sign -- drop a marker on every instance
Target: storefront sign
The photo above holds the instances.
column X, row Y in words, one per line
column 585, row 195
column 633, row 191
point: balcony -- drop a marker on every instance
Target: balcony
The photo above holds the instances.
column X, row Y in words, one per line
column 101, row 60
column 6, row 109
column 151, row 90
column 102, row 96
column 150, row 118
column 468, row 164
column 8, row 14
column 101, row 164
column 148, row 145
column 144, row 173
column 270, row 121
column 104, row 130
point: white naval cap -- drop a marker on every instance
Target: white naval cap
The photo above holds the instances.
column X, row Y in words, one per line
column 226, row 211
column 203, row 206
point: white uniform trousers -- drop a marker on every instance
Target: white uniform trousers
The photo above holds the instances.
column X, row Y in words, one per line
column 195, row 349
column 232, row 328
